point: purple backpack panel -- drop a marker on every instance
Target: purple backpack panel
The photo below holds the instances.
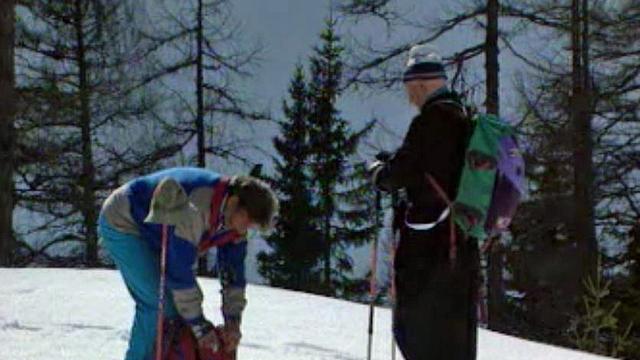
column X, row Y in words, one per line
column 509, row 189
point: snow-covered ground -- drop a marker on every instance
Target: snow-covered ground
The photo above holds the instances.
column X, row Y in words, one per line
column 56, row 314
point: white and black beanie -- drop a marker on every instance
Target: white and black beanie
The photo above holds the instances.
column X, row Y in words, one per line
column 424, row 64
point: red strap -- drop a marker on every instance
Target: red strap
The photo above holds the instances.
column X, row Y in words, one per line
column 163, row 275
column 221, row 238
column 453, row 243
column 215, row 237
column 487, row 245
column 219, row 193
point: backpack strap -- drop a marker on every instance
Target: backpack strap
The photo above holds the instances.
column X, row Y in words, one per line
column 451, row 102
column 448, row 212
column 429, row 226
column 453, row 242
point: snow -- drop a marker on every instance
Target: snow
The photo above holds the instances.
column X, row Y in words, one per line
column 74, row 314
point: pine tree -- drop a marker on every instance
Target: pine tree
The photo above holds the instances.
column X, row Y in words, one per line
column 296, row 244
column 598, row 327
column 333, row 146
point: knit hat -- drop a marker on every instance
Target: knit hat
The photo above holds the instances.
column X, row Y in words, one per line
column 425, row 63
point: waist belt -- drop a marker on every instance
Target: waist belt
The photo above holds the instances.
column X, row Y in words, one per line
column 429, row 226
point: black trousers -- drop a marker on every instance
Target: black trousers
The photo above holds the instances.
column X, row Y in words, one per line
column 435, row 315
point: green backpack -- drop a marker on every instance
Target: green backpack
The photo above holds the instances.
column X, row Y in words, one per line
column 493, row 179
column 492, row 183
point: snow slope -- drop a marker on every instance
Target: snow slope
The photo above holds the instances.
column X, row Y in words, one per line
column 56, row 314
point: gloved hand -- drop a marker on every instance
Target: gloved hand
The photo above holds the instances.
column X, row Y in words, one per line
column 207, row 336
column 383, row 156
column 231, row 336
column 374, row 167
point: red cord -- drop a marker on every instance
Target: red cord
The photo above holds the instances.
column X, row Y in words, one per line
column 163, row 265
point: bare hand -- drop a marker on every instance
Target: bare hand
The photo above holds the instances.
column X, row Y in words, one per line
column 210, row 341
column 231, row 336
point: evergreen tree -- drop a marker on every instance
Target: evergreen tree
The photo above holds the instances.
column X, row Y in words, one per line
column 333, row 146
column 296, row 245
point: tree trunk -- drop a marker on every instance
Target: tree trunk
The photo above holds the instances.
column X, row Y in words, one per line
column 582, row 140
column 633, row 254
column 203, row 263
column 492, row 51
column 200, row 88
column 327, row 252
column 495, row 288
column 87, row 181
column 7, row 131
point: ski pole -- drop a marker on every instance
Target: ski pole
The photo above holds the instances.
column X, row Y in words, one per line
column 392, row 279
column 392, row 292
column 372, row 284
column 163, row 265
column 393, row 348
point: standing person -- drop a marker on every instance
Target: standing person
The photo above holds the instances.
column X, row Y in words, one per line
column 436, row 276
column 202, row 209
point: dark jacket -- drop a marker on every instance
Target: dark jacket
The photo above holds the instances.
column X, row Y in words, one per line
column 435, row 144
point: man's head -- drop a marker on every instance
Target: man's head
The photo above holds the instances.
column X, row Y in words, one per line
column 425, row 74
column 251, row 204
